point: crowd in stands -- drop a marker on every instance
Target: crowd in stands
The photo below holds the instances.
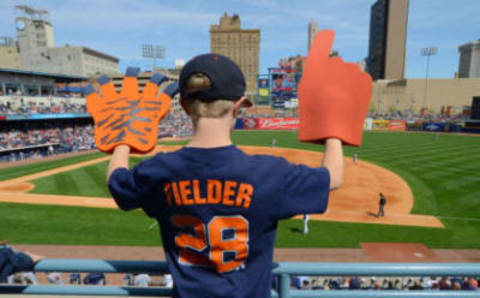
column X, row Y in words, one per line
column 396, row 115
column 41, row 138
column 94, row 278
column 51, row 137
column 411, row 116
column 297, row 282
column 386, row 283
column 176, row 124
column 21, row 140
column 6, row 108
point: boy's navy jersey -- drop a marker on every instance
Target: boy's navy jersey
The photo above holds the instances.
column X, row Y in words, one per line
column 218, row 210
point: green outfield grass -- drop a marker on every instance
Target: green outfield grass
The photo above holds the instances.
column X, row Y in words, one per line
column 35, row 167
column 444, row 175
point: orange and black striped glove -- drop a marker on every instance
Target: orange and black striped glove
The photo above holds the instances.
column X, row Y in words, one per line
column 128, row 117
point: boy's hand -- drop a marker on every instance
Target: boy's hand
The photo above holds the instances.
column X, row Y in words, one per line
column 333, row 96
column 128, row 117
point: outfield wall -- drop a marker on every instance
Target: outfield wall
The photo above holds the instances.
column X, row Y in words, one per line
column 370, row 125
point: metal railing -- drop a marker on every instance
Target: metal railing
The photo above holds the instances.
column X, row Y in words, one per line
column 283, row 270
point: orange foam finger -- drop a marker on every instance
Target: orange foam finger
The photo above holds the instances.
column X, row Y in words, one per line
column 333, row 96
column 322, row 44
column 106, row 87
column 130, row 83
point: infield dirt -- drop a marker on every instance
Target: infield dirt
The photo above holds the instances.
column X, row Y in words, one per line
column 356, row 201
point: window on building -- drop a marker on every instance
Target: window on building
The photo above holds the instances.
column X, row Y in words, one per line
column 12, row 89
column 31, row 90
column 46, row 90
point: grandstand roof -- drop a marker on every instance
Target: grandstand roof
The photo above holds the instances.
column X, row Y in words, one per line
column 43, row 74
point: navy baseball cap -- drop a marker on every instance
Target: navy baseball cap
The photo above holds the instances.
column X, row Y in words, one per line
column 227, row 80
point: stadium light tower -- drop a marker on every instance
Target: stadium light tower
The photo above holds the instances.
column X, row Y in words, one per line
column 153, row 52
column 430, row 51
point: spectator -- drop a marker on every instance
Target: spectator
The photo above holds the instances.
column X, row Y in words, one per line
column 12, row 261
column 168, row 281
column 142, row 280
column 55, row 278
column 29, row 278
column 355, row 283
column 95, row 279
column 127, row 280
column 75, row 279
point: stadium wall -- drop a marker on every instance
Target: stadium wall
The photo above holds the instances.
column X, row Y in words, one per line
column 370, row 124
column 410, row 94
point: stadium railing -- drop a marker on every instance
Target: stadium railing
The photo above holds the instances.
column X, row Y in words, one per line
column 283, row 270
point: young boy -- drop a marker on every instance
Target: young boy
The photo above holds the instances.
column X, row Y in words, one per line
column 218, row 207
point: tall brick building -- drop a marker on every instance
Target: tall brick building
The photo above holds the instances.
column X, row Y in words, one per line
column 240, row 45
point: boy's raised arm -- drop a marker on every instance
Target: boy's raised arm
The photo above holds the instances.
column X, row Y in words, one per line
column 333, row 161
column 119, row 159
column 334, row 98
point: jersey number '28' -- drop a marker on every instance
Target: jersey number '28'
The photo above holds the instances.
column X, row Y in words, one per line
column 225, row 236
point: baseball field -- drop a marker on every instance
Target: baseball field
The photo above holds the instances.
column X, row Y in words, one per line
column 442, row 172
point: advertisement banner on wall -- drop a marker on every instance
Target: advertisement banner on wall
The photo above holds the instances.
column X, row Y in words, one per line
column 278, row 123
column 368, row 124
column 432, row 126
column 397, row 125
column 380, row 125
column 250, row 123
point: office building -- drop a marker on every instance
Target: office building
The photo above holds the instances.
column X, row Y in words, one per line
column 9, row 55
column 312, row 30
column 469, row 65
column 240, row 45
column 36, row 46
column 388, row 36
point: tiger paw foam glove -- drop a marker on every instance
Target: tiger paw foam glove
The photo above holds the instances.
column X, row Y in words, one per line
column 333, row 96
column 128, row 117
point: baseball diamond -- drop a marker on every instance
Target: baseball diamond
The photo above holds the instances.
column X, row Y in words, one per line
column 408, row 175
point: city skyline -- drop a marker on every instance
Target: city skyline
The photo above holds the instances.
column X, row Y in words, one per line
column 183, row 28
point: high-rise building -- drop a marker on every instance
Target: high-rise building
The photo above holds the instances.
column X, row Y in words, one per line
column 469, row 65
column 312, row 30
column 240, row 45
column 388, row 36
column 37, row 49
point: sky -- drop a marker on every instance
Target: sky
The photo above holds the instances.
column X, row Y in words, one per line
column 120, row 27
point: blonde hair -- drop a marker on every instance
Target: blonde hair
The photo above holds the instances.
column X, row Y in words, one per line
column 204, row 109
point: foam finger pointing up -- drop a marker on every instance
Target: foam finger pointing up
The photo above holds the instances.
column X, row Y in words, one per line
column 322, row 44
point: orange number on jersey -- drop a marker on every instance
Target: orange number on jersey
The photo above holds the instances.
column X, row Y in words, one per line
column 236, row 245
column 188, row 242
column 220, row 244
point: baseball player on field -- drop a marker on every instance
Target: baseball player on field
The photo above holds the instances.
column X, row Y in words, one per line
column 306, row 218
column 216, row 206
